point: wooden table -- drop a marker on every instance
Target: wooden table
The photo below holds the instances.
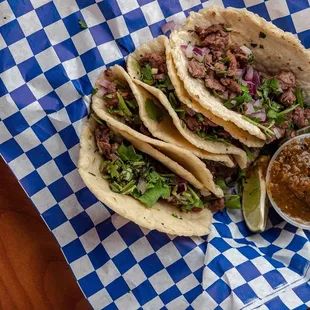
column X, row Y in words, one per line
column 33, row 271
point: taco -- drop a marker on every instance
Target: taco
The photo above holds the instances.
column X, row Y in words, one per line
column 118, row 103
column 148, row 67
column 245, row 70
column 140, row 183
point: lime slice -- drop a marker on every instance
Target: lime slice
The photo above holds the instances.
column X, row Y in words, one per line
column 255, row 203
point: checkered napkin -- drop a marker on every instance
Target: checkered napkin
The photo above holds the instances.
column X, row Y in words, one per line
column 48, row 65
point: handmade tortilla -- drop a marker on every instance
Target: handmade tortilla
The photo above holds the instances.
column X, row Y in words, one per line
column 159, row 45
column 181, row 155
column 281, row 51
column 158, row 217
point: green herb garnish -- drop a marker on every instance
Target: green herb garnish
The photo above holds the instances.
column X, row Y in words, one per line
column 153, row 110
column 300, row 100
column 82, row 24
column 225, row 59
column 122, row 105
column 266, row 130
column 233, row 201
column 228, row 29
column 94, row 91
column 146, row 74
column 221, row 183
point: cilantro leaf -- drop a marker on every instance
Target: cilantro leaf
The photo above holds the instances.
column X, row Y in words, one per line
column 233, row 202
column 153, row 110
column 152, row 195
column 251, row 59
column 300, row 100
column 94, row 91
column 248, row 153
column 82, row 24
column 221, row 183
column 128, row 153
column 122, row 105
column 272, row 114
column 146, row 74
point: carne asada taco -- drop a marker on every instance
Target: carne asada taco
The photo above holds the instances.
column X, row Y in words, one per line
column 135, row 107
column 142, row 184
column 148, row 67
column 245, row 70
column 113, row 114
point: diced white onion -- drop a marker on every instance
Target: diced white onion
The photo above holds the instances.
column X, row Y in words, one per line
column 246, row 49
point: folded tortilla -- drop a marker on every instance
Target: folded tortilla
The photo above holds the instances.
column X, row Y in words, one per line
column 281, row 51
column 183, row 152
column 160, row 45
column 158, row 217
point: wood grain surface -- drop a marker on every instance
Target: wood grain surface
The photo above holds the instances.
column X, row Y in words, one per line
column 33, row 271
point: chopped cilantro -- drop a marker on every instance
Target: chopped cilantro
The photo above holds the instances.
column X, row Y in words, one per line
column 225, row 59
column 176, row 216
column 199, row 117
column 128, row 153
column 108, row 96
column 153, row 110
column 96, row 119
column 94, row 91
column 251, row 59
column 221, row 183
column 266, row 130
column 151, row 195
column 262, row 35
column 82, row 24
column 147, row 76
column 233, row 202
column 300, row 100
column 248, row 153
column 122, row 105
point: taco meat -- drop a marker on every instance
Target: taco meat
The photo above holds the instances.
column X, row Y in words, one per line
column 131, row 172
column 228, row 70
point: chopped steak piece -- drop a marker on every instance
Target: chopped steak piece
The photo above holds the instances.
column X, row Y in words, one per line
column 195, row 209
column 102, row 136
column 112, row 102
column 220, row 66
column 111, row 88
column 108, row 72
column 156, row 59
column 192, row 123
column 301, row 117
column 214, row 36
column 217, row 205
column 203, row 31
column 232, row 69
column 288, row 97
column 240, row 55
column 286, row 80
column 188, row 110
column 196, row 68
column 208, row 59
column 217, row 55
column 215, row 41
column 208, row 123
column 212, row 83
column 231, row 85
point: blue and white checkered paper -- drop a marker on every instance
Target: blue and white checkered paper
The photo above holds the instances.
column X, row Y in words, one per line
column 47, row 67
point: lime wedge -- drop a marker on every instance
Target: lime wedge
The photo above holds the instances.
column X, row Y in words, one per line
column 255, row 204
